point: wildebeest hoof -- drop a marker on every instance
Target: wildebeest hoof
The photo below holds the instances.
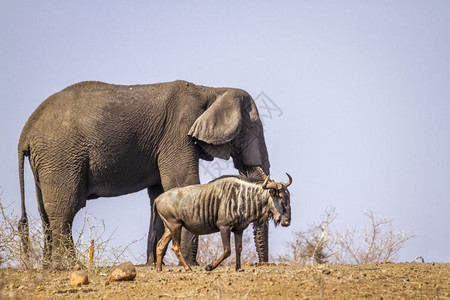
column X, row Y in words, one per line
column 209, row 268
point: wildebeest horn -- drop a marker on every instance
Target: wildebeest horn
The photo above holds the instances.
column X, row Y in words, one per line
column 264, row 186
column 271, row 185
column 289, row 182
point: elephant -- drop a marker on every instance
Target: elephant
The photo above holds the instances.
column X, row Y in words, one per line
column 95, row 139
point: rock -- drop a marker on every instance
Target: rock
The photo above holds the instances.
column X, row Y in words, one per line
column 79, row 277
column 326, row 272
column 124, row 271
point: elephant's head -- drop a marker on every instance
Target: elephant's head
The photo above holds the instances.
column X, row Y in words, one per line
column 230, row 126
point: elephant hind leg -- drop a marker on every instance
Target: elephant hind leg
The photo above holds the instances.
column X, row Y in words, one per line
column 59, row 208
column 62, row 245
column 47, row 255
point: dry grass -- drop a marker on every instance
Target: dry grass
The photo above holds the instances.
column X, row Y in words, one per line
column 11, row 250
column 93, row 248
column 320, row 243
column 373, row 281
column 306, row 276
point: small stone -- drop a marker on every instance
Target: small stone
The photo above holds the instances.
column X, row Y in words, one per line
column 326, row 272
column 123, row 272
column 79, row 277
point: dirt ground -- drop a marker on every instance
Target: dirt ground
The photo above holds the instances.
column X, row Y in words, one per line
column 384, row 281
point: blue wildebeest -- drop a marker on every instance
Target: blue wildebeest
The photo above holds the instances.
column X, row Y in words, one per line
column 229, row 203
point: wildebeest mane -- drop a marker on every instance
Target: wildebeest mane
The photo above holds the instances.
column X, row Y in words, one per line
column 252, row 178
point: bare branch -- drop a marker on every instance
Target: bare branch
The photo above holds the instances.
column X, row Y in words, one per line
column 378, row 242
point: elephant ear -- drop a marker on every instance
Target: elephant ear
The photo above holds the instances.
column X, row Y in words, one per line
column 223, row 120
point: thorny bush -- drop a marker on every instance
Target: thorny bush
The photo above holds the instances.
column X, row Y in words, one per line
column 92, row 232
column 319, row 243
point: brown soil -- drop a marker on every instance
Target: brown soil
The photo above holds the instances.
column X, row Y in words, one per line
column 385, row 281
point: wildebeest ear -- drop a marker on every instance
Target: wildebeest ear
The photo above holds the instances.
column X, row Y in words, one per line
column 223, row 120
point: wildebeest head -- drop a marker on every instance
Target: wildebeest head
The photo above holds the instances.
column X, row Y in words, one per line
column 280, row 196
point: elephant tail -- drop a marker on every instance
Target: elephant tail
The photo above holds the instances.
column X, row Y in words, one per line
column 23, row 222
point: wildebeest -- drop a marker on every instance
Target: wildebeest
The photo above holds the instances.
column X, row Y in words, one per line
column 229, row 203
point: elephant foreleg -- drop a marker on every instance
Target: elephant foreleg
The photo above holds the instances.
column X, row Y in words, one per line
column 156, row 229
column 189, row 246
column 261, row 233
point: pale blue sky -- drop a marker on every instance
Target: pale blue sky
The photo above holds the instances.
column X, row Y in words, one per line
column 362, row 89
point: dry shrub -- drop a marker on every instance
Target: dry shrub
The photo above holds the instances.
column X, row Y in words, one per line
column 94, row 248
column 314, row 245
column 319, row 243
column 11, row 249
column 92, row 232
column 378, row 242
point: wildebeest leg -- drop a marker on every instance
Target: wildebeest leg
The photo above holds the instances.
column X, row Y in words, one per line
column 225, row 235
column 176, row 240
column 156, row 229
column 238, row 247
column 161, row 248
column 172, row 175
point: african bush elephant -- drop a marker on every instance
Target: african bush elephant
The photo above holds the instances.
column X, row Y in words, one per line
column 95, row 139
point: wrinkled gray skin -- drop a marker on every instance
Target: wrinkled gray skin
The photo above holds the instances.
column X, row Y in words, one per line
column 94, row 139
column 228, row 204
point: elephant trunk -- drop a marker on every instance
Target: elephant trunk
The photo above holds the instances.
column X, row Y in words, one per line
column 260, row 230
column 261, row 233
